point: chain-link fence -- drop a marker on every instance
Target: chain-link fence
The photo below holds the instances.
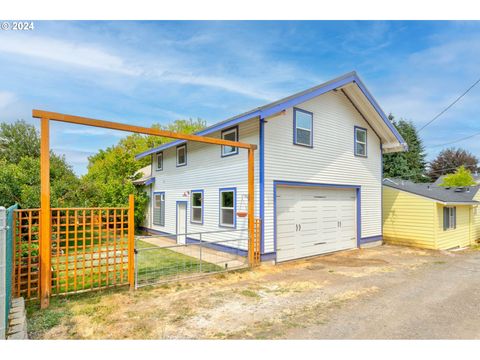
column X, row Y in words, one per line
column 162, row 258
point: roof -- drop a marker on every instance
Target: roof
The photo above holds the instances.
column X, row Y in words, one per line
column 394, row 143
column 146, row 176
column 476, row 178
column 430, row 190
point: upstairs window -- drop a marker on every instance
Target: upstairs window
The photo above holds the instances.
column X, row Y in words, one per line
column 360, row 141
column 160, row 161
column 159, row 209
column 232, row 135
column 303, row 127
column 227, row 207
column 196, row 211
column 182, row 155
column 449, row 218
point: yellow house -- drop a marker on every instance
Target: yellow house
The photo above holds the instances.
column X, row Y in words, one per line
column 430, row 216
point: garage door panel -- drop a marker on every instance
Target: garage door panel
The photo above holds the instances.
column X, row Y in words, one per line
column 312, row 221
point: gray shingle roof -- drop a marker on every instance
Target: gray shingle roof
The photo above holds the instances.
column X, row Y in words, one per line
column 435, row 192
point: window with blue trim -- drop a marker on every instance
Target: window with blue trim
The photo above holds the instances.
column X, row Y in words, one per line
column 227, row 208
column 231, row 135
column 196, row 203
column 159, row 209
column 181, row 155
column 303, row 127
column 360, row 141
column 160, row 161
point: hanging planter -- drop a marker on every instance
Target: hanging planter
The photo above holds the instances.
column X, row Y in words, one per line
column 241, row 213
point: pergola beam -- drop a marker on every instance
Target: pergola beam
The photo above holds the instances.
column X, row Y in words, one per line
column 41, row 114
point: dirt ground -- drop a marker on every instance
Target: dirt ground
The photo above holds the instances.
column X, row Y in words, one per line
column 385, row 292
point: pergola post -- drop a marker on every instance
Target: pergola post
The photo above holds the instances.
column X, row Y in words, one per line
column 45, row 229
column 251, row 207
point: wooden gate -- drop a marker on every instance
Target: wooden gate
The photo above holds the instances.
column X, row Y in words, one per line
column 91, row 248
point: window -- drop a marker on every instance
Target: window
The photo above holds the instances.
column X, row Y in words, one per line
column 196, row 211
column 182, row 155
column 159, row 209
column 360, row 141
column 303, row 127
column 449, row 218
column 232, row 135
column 160, row 161
column 227, row 207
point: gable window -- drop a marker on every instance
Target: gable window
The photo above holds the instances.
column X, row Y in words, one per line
column 360, row 141
column 159, row 209
column 227, row 207
column 449, row 218
column 182, row 155
column 196, row 211
column 232, row 135
column 160, row 161
column 303, row 127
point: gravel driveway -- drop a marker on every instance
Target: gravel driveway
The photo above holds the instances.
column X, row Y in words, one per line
column 386, row 292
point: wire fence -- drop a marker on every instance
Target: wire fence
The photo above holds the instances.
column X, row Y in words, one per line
column 160, row 259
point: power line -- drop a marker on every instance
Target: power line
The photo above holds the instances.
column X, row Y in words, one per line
column 449, row 106
column 455, row 141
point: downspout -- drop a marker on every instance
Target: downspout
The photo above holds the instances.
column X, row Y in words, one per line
column 261, row 167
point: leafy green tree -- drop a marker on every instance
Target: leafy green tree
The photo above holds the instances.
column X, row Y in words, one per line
column 407, row 164
column 20, row 169
column 461, row 177
column 108, row 181
column 450, row 159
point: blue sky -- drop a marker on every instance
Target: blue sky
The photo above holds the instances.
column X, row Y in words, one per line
column 149, row 72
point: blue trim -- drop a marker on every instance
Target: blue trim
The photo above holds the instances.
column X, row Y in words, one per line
column 370, row 239
column 234, row 189
column 261, row 143
column 176, row 217
column 220, row 247
column 176, row 155
column 150, row 181
column 156, row 162
column 295, row 127
column 236, row 139
column 306, row 184
column 155, row 232
column 355, row 141
column 164, row 204
column 291, row 102
column 191, row 206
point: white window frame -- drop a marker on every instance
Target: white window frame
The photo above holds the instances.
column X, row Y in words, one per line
column 451, row 222
column 358, row 128
column 179, row 147
column 160, row 157
column 233, row 208
column 192, row 220
column 295, row 127
column 234, row 149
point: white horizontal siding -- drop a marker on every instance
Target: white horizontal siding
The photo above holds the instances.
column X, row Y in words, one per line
column 331, row 160
column 208, row 171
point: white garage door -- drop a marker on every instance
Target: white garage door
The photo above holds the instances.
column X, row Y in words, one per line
column 312, row 221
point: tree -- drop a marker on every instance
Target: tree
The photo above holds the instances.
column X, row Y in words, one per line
column 20, row 170
column 450, row 159
column 461, row 177
column 407, row 164
column 108, row 181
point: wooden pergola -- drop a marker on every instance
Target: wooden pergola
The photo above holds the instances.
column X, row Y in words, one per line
column 45, row 220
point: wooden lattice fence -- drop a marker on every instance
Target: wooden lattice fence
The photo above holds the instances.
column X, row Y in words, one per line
column 90, row 249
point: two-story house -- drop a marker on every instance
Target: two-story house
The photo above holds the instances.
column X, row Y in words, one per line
column 318, row 174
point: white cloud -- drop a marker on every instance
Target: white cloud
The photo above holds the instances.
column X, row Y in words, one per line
column 6, row 98
column 67, row 52
column 94, row 132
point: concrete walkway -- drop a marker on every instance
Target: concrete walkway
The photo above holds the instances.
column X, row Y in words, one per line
column 212, row 256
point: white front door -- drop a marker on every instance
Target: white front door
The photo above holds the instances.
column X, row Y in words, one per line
column 181, row 222
column 314, row 220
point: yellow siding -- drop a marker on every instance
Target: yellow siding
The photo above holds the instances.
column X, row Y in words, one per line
column 408, row 219
column 475, row 235
column 460, row 236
